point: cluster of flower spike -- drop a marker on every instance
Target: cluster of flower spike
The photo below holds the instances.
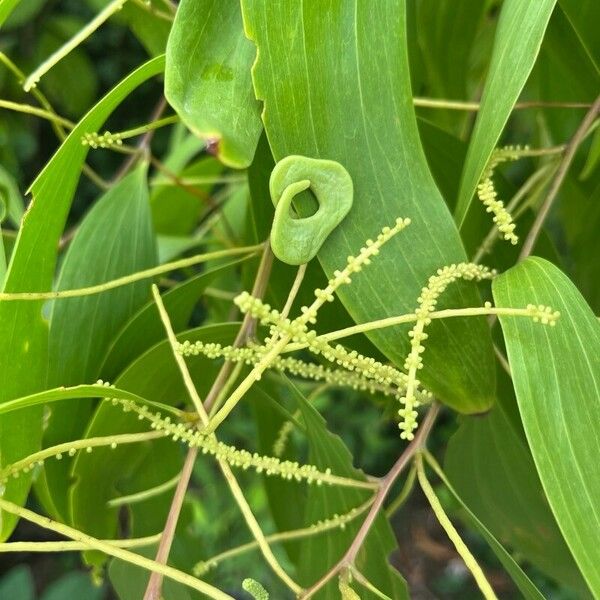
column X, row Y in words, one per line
column 427, row 301
column 208, row 444
column 102, row 140
column 350, row 376
column 486, row 191
column 356, row 370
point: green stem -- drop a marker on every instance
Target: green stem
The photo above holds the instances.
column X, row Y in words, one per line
column 71, row 44
column 154, row 583
column 474, row 106
column 128, row 279
column 207, row 180
column 247, row 383
column 75, row 546
column 356, row 574
column 76, row 445
column 403, row 495
column 412, row 318
column 145, row 494
column 286, row 536
column 121, row 553
column 134, row 132
column 36, row 112
column 461, row 547
column 153, row 11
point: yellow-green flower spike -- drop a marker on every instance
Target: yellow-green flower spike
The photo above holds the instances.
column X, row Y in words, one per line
column 295, row 240
column 486, row 191
column 255, row 589
column 428, row 299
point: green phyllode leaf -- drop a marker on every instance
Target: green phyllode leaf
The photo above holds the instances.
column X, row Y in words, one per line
column 207, row 78
column 519, row 35
column 491, row 468
column 556, row 374
column 327, row 450
column 584, row 16
column 114, row 239
column 321, row 79
column 23, row 330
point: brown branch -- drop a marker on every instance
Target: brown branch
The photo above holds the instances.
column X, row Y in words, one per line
column 153, row 589
column 558, row 179
column 386, row 484
column 143, row 145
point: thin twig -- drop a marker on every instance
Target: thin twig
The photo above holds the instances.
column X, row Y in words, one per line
column 475, row 106
column 153, row 589
column 120, row 553
column 385, row 486
column 129, row 279
column 144, row 143
column 444, row 521
column 559, row 177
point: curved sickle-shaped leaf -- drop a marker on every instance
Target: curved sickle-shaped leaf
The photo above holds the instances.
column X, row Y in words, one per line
column 331, row 91
column 556, row 373
column 207, row 78
column 518, row 39
column 23, row 331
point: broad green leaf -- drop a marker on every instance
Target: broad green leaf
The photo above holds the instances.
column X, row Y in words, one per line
column 23, row 331
column 593, row 159
column 520, row 32
column 114, row 239
column 584, row 15
column 520, row 578
column 556, row 374
column 207, row 78
column 103, row 474
column 145, row 328
column 281, row 494
column 446, row 31
column 175, row 210
column 490, row 466
column 320, row 76
column 328, row 451
column 564, row 73
column 150, row 29
column 579, row 212
column 74, row 585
